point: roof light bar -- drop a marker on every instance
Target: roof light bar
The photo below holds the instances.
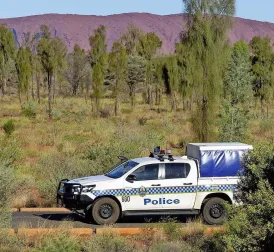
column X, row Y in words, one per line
column 160, row 154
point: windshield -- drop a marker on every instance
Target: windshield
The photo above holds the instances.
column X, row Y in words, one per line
column 121, row 169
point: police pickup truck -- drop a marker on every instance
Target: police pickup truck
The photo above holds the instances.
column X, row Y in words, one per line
column 203, row 181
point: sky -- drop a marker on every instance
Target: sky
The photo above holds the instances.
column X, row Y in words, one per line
column 262, row 10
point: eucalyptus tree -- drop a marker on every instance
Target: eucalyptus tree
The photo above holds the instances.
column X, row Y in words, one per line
column 78, row 69
column 186, row 88
column 173, row 80
column 23, row 68
column 131, row 38
column 136, row 75
column 98, row 61
column 147, row 47
column 118, row 70
column 7, row 52
column 263, row 70
column 159, row 64
column 206, row 47
column 238, row 79
column 52, row 53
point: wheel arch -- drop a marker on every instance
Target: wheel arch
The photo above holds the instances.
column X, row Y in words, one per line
column 202, row 198
column 223, row 196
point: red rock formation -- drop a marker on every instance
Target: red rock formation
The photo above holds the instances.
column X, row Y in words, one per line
column 77, row 28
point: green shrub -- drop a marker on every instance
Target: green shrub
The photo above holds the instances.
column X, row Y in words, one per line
column 10, row 243
column 172, row 246
column 105, row 112
column 109, row 242
column 58, row 243
column 214, row 242
column 10, row 151
column 7, row 183
column 56, row 114
column 29, row 109
column 171, row 228
column 142, row 121
column 54, row 167
column 250, row 226
column 128, row 143
column 9, row 127
column 266, row 125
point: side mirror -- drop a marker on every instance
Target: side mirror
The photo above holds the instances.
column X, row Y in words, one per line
column 131, row 178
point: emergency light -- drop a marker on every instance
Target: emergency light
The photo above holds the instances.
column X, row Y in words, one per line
column 160, row 153
column 157, row 149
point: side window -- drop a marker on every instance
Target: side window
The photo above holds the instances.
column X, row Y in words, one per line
column 147, row 172
column 175, row 171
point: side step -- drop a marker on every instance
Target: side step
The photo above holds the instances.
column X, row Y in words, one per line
column 161, row 212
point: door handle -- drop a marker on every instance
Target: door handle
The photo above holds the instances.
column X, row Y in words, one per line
column 187, row 183
column 156, row 185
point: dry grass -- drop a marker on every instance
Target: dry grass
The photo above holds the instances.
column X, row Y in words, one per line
column 75, row 129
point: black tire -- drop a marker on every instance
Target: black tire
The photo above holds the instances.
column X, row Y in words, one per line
column 214, row 211
column 105, row 211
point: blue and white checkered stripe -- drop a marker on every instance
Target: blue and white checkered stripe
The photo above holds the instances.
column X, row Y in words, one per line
column 166, row 190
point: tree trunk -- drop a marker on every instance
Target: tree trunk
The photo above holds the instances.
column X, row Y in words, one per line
column 116, row 106
column 32, row 87
column 74, row 90
column 54, row 89
column 156, row 100
column 49, row 96
column 19, row 96
column 204, row 129
column 132, row 97
column 4, row 85
column 38, row 87
column 174, row 101
column 149, row 94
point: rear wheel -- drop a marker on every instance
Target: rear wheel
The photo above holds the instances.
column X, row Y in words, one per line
column 214, row 212
column 105, row 211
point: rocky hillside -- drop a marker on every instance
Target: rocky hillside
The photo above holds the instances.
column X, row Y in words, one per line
column 77, row 28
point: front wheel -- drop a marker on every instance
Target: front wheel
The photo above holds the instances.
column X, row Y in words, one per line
column 105, row 211
column 214, row 212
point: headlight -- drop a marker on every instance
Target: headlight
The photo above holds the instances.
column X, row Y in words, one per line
column 88, row 188
column 76, row 189
column 62, row 188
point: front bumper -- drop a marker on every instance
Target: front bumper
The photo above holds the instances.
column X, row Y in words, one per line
column 70, row 196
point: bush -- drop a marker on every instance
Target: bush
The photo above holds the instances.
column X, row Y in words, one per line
column 128, row 143
column 29, row 109
column 251, row 225
column 62, row 242
column 6, row 185
column 172, row 246
column 10, row 243
column 10, row 152
column 109, row 242
column 105, row 112
column 142, row 121
column 9, row 127
column 56, row 114
column 54, row 167
column 171, row 229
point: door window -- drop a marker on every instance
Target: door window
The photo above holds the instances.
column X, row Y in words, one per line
column 147, row 172
column 177, row 170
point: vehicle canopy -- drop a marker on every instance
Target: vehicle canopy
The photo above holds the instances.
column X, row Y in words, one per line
column 218, row 159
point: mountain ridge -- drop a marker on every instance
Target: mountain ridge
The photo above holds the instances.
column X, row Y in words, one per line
column 75, row 28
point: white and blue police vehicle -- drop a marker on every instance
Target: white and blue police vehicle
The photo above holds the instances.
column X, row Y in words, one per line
column 203, row 181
